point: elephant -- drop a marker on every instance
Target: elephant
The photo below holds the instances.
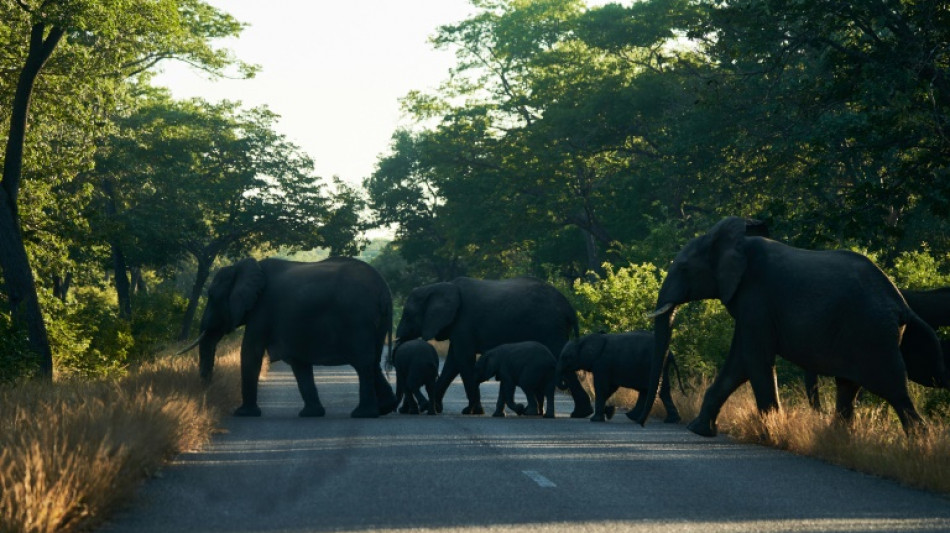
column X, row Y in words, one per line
column 618, row 360
column 933, row 307
column 476, row 315
column 830, row 312
column 332, row 312
column 528, row 365
column 417, row 365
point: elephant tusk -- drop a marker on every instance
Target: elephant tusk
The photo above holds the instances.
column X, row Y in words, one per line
column 192, row 345
column 660, row 310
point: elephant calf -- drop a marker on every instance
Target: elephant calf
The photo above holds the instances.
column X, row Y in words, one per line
column 528, row 365
column 617, row 360
column 417, row 365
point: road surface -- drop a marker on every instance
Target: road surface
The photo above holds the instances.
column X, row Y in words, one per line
column 449, row 472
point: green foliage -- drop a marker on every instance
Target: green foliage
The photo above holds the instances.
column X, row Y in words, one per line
column 13, row 344
column 87, row 336
column 154, row 321
column 921, row 270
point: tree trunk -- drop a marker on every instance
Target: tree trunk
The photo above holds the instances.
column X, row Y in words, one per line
column 122, row 285
column 139, row 286
column 18, row 276
column 61, row 286
column 201, row 277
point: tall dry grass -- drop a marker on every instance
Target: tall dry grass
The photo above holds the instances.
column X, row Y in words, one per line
column 72, row 451
column 873, row 443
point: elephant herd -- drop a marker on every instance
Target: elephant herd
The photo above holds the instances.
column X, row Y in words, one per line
column 832, row 313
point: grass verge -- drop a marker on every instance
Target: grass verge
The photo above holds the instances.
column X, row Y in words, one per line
column 71, row 452
column 873, row 443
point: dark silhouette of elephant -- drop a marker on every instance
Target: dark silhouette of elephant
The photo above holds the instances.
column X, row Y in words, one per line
column 618, row 360
column 829, row 312
column 333, row 312
column 417, row 365
column 933, row 307
column 477, row 315
column 528, row 365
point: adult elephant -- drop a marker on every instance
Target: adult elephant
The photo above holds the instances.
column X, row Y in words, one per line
column 933, row 307
column 333, row 312
column 830, row 312
column 477, row 315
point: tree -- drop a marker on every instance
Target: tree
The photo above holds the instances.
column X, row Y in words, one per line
column 98, row 43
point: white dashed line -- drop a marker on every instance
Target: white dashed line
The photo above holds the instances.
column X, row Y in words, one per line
column 538, row 478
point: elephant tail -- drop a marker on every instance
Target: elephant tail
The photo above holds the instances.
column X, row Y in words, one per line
column 923, row 358
column 679, row 375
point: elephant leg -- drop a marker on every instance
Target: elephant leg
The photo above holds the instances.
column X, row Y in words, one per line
column 367, row 407
column 602, row 391
column 533, row 408
column 666, row 396
column 432, row 405
column 549, row 396
column 811, row 390
column 467, row 371
column 401, row 392
column 508, row 389
column 500, row 403
column 582, row 406
column 421, row 399
column 846, row 391
column 252, row 356
column 449, row 372
column 385, row 399
column 303, row 373
column 893, row 389
column 638, row 407
column 730, row 377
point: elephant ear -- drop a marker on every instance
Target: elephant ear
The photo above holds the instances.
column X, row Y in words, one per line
column 591, row 348
column 442, row 305
column 729, row 255
column 248, row 284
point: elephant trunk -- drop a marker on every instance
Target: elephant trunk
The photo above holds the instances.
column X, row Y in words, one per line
column 206, row 349
column 662, row 332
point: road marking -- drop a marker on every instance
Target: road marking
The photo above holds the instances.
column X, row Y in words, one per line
column 538, row 478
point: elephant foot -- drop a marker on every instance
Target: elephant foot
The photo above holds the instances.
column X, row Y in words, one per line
column 520, row 409
column 703, row 427
column 634, row 415
column 364, row 412
column 245, row 410
column 609, row 411
column 404, row 409
column 582, row 412
column 531, row 411
column 438, row 406
column 423, row 406
column 598, row 418
column 549, row 413
column 312, row 411
column 388, row 407
column 476, row 409
column 672, row 417
column 498, row 414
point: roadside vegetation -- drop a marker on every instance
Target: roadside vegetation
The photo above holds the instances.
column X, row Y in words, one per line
column 73, row 451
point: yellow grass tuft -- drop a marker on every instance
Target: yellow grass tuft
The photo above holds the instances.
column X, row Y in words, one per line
column 74, row 450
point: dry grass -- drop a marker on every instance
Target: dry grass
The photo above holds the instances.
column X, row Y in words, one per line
column 71, row 452
column 873, row 443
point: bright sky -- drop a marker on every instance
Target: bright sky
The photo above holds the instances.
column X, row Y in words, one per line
column 333, row 71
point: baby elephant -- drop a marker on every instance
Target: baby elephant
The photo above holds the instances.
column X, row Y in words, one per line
column 529, row 365
column 617, row 360
column 417, row 365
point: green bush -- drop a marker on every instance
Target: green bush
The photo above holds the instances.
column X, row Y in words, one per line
column 156, row 320
column 14, row 362
column 87, row 335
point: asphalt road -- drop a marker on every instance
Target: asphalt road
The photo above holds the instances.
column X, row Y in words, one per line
column 453, row 473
